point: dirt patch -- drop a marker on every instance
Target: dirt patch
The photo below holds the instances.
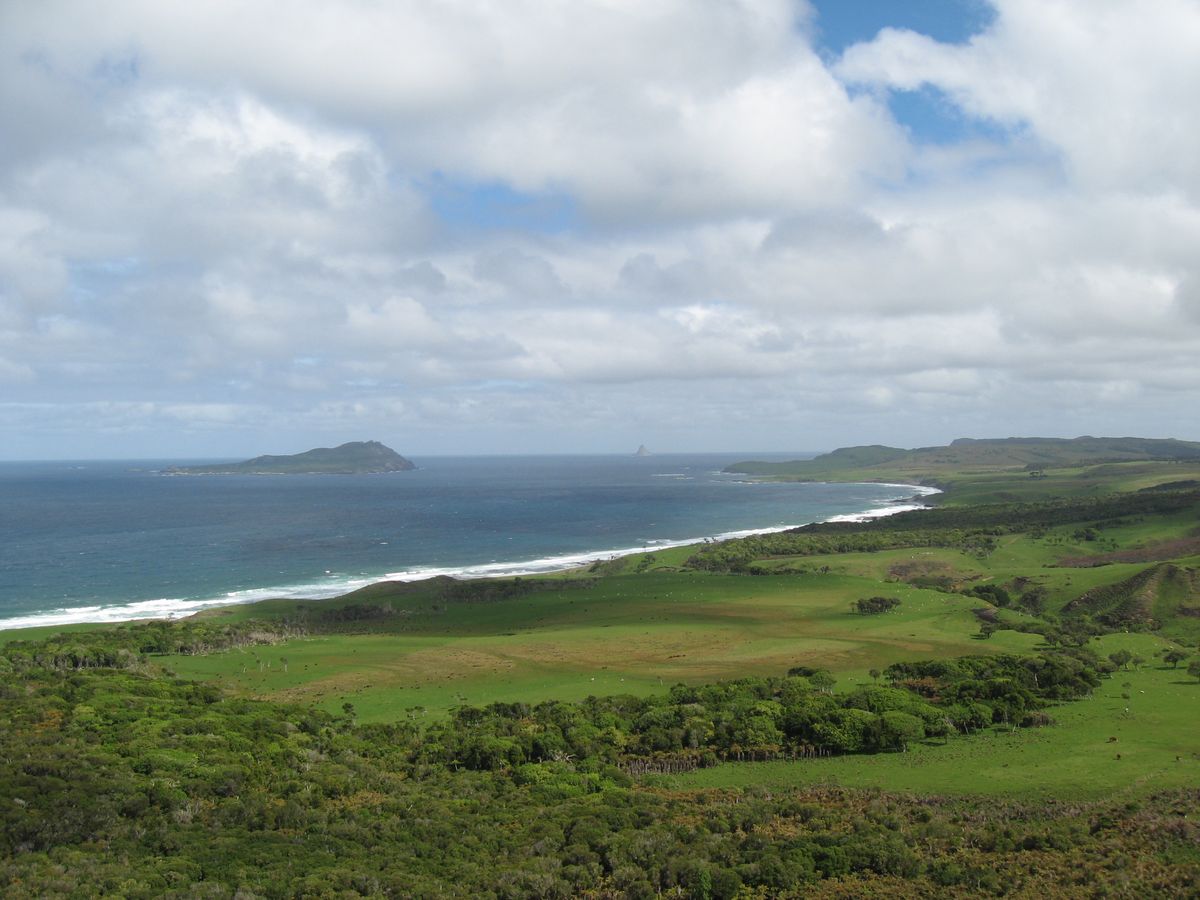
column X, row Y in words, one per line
column 928, row 574
column 907, row 570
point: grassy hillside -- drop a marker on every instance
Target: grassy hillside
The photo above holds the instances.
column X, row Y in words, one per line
column 632, row 633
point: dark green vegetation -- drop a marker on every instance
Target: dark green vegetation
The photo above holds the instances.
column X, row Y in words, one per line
column 986, row 698
column 354, row 458
column 873, row 606
column 124, row 781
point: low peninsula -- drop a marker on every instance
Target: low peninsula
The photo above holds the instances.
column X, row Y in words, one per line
column 353, row 458
column 975, row 464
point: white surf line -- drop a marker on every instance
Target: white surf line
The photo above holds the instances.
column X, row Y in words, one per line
column 174, row 608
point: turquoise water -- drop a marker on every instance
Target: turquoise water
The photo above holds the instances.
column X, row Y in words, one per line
column 108, row 541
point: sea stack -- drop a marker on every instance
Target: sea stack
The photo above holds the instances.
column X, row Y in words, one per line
column 642, row 451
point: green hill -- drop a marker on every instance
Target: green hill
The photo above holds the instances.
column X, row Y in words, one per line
column 354, row 458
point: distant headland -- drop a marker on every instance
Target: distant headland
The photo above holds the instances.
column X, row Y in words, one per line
column 934, row 465
column 354, row 458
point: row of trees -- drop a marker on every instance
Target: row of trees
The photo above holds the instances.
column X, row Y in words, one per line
column 765, row 717
column 971, row 529
column 740, row 554
column 129, row 646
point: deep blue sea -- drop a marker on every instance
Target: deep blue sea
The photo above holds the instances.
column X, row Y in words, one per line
column 110, row 541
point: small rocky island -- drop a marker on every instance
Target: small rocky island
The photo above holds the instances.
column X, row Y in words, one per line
column 354, row 458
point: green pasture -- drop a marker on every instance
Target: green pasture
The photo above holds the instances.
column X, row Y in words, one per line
column 964, row 488
column 620, row 634
column 1137, row 734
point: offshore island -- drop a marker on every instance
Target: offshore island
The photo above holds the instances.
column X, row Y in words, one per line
column 353, row 458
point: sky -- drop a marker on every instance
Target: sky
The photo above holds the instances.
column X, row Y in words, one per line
column 571, row 226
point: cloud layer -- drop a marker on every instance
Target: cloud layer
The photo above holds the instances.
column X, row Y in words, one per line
column 472, row 226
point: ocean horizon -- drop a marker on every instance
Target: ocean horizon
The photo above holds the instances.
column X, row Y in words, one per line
column 116, row 540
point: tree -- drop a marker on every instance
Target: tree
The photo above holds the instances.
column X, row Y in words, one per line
column 993, row 593
column 1034, row 601
column 1193, row 669
column 1175, row 657
column 897, row 729
column 1121, row 658
column 822, row 681
column 757, row 733
column 875, row 673
column 845, row 731
column 875, row 605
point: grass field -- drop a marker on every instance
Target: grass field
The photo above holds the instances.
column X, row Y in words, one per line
column 622, row 634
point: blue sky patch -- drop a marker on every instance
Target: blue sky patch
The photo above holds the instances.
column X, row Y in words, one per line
column 930, row 116
column 117, row 71
column 840, row 23
column 491, row 206
column 933, row 118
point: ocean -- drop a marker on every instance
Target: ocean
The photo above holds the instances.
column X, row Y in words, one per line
column 111, row 541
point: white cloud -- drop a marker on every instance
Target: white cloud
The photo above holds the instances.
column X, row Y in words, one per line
column 664, row 109
column 398, row 322
column 1110, row 85
column 224, row 214
column 33, row 276
column 12, row 372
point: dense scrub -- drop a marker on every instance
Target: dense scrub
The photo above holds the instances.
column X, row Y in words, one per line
column 759, row 718
column 972, row 529
column 127, row 781
column 740, row 554
column 1018, row 517
column 128, row 646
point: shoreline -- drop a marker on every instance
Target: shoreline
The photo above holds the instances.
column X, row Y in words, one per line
column 177, row 608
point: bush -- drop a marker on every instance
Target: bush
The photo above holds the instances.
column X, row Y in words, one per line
column 875, row 605
column 992, row 593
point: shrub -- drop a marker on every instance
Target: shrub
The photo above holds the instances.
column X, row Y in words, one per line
column 874, row 605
